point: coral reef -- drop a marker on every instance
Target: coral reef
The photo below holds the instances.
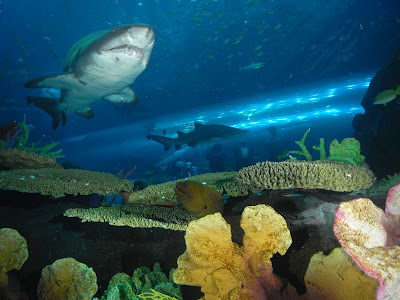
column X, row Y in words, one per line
column 58, row 182
column 135, row 216
column 336, row 276
column 144, row 281
column 334, row 176
column 67, row 278
column 372, row 239
column 199, row 199
column 348, row 151
column 13, row 159
column 224, row 270
column 159, row 193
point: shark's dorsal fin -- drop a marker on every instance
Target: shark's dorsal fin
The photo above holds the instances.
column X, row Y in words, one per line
column 125, row 96
column 56, row 81
column 180, row 134
column 197, row 125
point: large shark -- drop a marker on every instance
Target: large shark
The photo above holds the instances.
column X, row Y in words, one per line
column 100, row 65
column 202, row 134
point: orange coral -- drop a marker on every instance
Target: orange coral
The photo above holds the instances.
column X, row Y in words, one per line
column 222, row 268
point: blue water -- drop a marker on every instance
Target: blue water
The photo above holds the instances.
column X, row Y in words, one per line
column 317, row 60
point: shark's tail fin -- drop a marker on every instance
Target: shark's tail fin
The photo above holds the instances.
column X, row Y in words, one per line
column 165, row 141
column 51, row 106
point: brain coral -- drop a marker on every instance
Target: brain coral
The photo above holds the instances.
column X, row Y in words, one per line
column 58, row 182
column 334, row 176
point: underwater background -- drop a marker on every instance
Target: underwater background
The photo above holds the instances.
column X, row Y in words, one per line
column 273, row 68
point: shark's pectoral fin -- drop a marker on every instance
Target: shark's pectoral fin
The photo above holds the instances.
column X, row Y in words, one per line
column 57, row 81
column 86, row 113
column 52, row 107
column 125, row 96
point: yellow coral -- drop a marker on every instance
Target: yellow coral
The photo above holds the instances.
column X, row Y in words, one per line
column 222, row 268
column 13, row 252
column 67, row 278
column 337, row 277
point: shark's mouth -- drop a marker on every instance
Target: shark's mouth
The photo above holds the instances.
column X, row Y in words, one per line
column 128, row 50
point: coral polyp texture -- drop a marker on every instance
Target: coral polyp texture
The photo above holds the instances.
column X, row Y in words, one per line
column 67, row 278
column 224, row 270
column 372, row 239
column 333, row 176
column 145, row 216
column 59, row 182
column 13, row 159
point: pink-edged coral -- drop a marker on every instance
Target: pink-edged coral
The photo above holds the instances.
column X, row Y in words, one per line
column 372, row 239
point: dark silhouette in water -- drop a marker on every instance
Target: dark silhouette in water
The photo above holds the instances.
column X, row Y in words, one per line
column 215, row 158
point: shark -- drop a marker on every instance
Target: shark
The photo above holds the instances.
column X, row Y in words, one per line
column 202, row 134
column 100, row 65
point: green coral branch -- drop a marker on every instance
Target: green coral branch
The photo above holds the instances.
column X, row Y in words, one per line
column 304, row 151
column 347, row 151
column 22, row 142
column 321, row 149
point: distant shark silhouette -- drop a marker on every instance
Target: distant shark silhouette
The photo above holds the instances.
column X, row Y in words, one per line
column 202, row 134
column 100, row 65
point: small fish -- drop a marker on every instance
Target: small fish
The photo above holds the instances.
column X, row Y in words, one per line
column 253, row 66
column 387, row 96
column 238, row 39
column 292, row 195
column 47, row 38
column 257, row 47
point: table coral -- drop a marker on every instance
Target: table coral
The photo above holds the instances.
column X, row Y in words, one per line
column 13, row 159
column 334, row 176
column 144, row 216
column 372, row 239
column 224, row 270
column 58, row 182
column 67, row 278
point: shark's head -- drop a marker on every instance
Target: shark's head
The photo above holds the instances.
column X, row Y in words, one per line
column 123, row 50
